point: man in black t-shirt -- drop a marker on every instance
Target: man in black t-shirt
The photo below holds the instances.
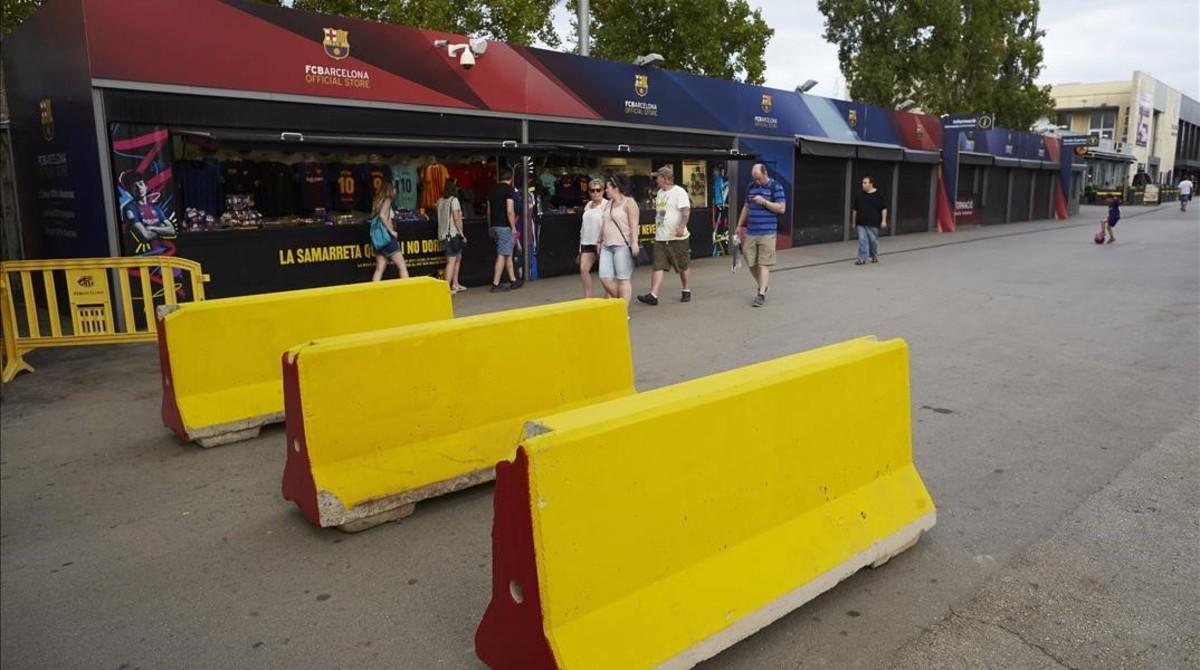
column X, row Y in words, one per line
column 502, row 225
column 868, row 216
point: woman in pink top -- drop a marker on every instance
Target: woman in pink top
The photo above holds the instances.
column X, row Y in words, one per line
column 618, row 239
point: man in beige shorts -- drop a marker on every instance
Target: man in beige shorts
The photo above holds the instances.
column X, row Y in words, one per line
column 672, row 239
column 758, row 224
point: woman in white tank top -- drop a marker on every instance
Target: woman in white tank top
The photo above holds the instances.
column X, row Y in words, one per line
column 589, row 234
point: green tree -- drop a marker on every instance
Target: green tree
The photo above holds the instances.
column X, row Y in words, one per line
column 13, row 12
column 514, row 21
column 716, row 38
column 946, row 55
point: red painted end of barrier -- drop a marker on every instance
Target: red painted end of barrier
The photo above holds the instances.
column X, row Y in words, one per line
column 171, row 417
column 1060, row 206
column 298, row 484
column 512, row 635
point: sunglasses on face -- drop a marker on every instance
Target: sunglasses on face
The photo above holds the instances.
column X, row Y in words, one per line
column 597, row 190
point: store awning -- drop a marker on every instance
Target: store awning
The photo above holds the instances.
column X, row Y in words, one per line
column 1031, row 164
column 1078, row 167
column 825, row 147
column 879, row 152
column 1005, row 161
column 1110, row 156
column 1050, row 165
column 652, row 151
column 974, row 158
column 918, row 156
column 316, row 141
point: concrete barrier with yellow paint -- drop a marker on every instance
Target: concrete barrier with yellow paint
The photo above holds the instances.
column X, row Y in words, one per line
column 379, row 421
column 220, row 358
column 653, row 531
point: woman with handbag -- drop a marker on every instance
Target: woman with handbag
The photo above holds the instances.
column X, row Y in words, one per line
column 589, row 235
column 618, row 239
column 450, row 232
column 383, row 234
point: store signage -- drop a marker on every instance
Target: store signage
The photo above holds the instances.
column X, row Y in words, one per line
column 47, row 115
column 1081, row 151
column 964, row 207
column 1076, row 140
column 968, row 121
column 641, row 86
column 337, row 43
column 766, row 104
column 337, row 47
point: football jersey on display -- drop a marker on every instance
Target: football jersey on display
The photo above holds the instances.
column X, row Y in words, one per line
column 405, row 178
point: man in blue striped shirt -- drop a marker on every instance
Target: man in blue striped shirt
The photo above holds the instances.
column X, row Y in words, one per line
column 758, row 224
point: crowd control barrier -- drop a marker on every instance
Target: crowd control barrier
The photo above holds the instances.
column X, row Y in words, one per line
column 92, row 289
column 219, row 359
column 379, row 421
column 653, row 531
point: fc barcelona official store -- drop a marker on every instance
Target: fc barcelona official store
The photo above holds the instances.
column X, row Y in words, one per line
column 259, row 153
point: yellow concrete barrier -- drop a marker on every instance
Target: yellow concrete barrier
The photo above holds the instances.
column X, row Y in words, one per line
column 220, row 358
column 379, row 421
column 653, row 531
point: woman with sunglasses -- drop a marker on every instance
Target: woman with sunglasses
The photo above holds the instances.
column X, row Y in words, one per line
column 589, row 234
column 618, row 239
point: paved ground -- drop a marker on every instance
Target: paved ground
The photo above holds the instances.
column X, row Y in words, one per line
column 1055, row 387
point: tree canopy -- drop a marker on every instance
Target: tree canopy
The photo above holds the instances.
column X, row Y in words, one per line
column 946, row 55
column 716, row 38
column 514, row 21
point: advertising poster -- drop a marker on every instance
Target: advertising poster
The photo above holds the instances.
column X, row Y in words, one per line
column 1145, row 107
column 695, row 181
column 145, row 197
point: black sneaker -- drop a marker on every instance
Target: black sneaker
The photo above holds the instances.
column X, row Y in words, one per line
column 686, row 296
column 648, row 299
column 860, row 262
column 499, row 288
column 874, row 259
column 519, row 283
column 760, row 300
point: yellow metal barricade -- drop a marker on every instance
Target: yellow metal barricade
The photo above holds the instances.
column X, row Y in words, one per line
column 30, row 317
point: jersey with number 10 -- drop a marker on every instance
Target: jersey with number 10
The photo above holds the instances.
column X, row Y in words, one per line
column 405, row 178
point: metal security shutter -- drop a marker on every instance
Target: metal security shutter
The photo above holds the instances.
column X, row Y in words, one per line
column 820, row 200
column 913, row 201
column 1022, row 186
column 995, row 205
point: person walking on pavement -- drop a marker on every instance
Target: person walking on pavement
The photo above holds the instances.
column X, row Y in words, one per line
column 502, row 219
column 1185, row 193
column 618, row 240
column 1110, row 221
column 384, row 236
column 672, row 243
column 758, row 225
column 589, row 234
column 450, row 232
column 869, row 215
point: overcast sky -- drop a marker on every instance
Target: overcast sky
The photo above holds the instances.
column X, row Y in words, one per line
column 1086, row 40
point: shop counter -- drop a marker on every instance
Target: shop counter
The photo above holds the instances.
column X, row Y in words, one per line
column 262, row 260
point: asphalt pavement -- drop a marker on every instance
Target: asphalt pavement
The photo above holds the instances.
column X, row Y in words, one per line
column 1055, row 388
